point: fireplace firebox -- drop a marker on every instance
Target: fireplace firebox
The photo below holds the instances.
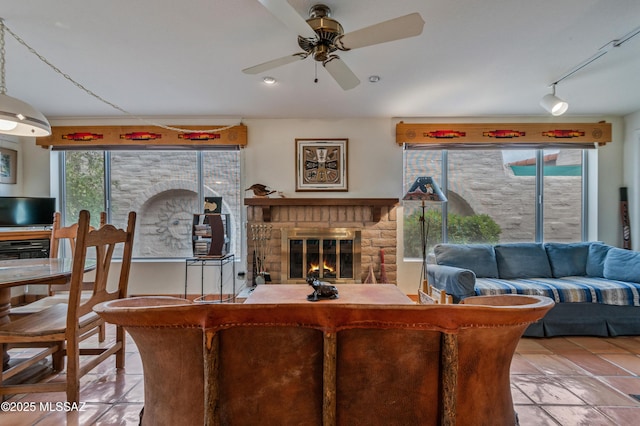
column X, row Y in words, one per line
column 328, row 254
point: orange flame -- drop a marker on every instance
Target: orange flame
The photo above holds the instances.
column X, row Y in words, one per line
column 314, row 267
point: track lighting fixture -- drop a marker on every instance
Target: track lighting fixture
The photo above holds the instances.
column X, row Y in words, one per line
column 554, row 104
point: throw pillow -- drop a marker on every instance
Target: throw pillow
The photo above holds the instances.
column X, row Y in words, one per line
column 595, row 259
column 568, row 259
column 480, row 258
column 622, row 265
column 522, row 260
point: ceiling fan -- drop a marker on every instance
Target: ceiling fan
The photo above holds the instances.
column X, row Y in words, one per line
column 320, row 36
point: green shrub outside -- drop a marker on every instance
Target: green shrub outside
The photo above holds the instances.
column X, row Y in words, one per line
column 474, row 229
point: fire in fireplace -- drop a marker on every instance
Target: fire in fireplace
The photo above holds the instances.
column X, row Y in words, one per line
column 330, row 254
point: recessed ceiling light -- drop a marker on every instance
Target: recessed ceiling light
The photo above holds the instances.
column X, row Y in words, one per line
column 374, row 78
column 269, row 80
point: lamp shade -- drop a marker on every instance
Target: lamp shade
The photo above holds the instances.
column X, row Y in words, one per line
column 554, row 104
column 425, row 188
column 21, row 119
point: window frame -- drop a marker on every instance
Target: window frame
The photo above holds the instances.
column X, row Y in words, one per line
column 539, row 191
column 201, row 183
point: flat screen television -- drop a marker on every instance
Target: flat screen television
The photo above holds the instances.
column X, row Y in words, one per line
column 26, row 211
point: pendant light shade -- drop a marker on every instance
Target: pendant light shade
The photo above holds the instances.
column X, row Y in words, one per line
column 554, row 104
column 18, row 118
column 21, row 119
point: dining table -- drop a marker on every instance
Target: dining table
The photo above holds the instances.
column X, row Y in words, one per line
column 31, row 271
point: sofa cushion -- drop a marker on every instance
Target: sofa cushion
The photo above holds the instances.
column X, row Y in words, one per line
column 595, row 259
column 566, row 289
column 522, row 260
column 568, row 259
column 480, row 258
column 622, row 265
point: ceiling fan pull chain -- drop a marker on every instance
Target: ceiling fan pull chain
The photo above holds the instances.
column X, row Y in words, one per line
column 315, row 80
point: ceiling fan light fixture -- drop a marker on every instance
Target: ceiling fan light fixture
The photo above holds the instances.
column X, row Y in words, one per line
column 553, row 104
column 374, row 78
column 269, row 81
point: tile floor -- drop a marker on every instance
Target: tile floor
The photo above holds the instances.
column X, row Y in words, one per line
column 558, row 381
column 577, row 381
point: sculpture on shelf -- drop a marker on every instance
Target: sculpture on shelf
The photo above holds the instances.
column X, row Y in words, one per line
column 260, row 190
column 321, row 290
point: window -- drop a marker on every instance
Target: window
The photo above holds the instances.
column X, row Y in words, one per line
column 489, row 203
column 563, row 195
column 84, row 185
column 492, row 196
column 165, row 188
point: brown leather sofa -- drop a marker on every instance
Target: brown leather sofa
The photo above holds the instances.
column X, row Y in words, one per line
column 327, row 364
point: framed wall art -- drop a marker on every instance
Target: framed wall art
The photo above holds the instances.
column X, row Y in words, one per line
column 8, row 165
column 321, row 165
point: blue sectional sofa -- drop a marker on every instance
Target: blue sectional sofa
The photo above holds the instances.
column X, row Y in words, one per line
column 596, row 287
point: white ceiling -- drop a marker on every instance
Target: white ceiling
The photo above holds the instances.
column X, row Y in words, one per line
column 184, row 58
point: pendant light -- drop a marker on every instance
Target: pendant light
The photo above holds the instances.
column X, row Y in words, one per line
column 16, row 117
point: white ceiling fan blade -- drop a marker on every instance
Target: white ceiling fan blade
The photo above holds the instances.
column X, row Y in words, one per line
column 282, row 10
column 394, row 29
column 341, row 73
column 274, row 63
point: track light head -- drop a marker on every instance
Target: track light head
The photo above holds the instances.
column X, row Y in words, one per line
column 554, row 104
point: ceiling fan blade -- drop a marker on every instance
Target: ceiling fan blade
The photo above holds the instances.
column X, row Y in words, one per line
column 394, row 29
column 282, row 10
column 341, row 73
column 274, row 63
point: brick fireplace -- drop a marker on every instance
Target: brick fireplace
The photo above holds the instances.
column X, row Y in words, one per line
column 334, row 225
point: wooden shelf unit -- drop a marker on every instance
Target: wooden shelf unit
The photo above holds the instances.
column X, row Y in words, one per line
column 39, row 234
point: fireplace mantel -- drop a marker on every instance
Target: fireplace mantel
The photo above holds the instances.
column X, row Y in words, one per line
column 266, row 203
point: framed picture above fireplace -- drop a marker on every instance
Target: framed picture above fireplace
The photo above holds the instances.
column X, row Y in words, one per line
column 321, row 165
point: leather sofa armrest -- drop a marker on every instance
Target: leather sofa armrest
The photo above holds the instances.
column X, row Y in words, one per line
column 457, row 282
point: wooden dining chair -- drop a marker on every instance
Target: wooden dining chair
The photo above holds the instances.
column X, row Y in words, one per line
column 59, row 293
column 61, row 327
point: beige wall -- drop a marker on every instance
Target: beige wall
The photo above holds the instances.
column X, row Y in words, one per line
column 375, row 161
column 375, row 170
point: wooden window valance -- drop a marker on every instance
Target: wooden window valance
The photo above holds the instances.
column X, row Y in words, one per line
column 502, row 135
column 140, row 137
